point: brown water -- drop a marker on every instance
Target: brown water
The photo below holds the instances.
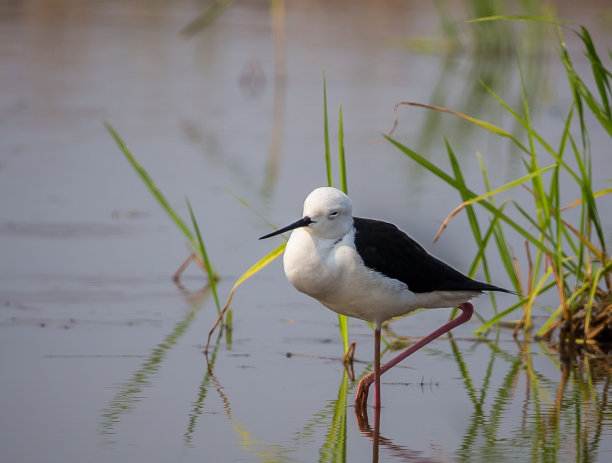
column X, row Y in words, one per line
column 101, row 354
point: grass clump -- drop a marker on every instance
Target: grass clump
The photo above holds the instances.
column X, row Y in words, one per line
column 565, row 247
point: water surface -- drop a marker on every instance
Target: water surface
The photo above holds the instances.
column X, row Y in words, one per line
column 101, row 353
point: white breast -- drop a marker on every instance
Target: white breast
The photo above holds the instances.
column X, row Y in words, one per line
column 332, row 272
column 306, row 264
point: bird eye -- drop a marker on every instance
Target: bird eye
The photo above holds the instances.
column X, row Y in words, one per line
column 333, row 214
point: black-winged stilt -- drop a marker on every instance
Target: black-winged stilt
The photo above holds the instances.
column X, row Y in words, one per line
column 370, row 270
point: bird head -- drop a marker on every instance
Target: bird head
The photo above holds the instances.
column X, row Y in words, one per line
column 327, row 214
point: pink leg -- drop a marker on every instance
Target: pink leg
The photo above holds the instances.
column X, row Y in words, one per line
column 361, row 398
column 377, row 368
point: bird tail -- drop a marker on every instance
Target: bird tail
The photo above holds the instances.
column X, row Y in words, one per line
column 488, row 287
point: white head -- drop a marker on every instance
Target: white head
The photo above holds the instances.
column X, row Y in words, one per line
column 330, row 212
column 327, row 214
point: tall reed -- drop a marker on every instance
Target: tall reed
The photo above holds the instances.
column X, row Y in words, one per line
column 564, row 254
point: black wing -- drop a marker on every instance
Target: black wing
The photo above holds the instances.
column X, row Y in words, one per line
column 388, row 250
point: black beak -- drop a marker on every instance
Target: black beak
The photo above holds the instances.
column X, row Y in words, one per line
column 303, row 222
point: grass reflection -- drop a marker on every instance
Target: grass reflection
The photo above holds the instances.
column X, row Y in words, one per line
column 493, row 49
column 527, row 406
column 334, row 447
column 264, row 451
column 198, row 403
column 131, row 392
column 559, row 417
column 333, row 418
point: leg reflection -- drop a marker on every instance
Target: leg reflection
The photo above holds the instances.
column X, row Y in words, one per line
column 361, row 415
column 398, row 451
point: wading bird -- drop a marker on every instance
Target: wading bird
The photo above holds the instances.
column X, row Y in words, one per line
column 370, row 270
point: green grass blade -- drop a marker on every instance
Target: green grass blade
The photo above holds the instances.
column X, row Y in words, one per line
column 344, row 334
column 583, row 94
column 209, row 270
column 256, row 267
column 555, row 315
column 600, row 73
column 341, row 159
column 591, row 300
column 427, row 164
column 480, row 254
column 574, row 251
column 342, row 319
column 497, row 318
column 328, row 167
column 491, row 193
column 509, row 185
column 549, row 321
column 496, row 230
column 451, row 181
column 549, row 149
column 472, row 219
column 484, row 124
column 148, row 181
column 543, row 19
column 260, row 264
column 464, row 196
column 537, row 289
column 588, row 197
column 538, row 186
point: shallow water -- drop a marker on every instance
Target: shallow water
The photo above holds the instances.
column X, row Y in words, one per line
column 101, row 353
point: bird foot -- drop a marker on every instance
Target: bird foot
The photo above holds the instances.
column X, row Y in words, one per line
column 361, row 397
